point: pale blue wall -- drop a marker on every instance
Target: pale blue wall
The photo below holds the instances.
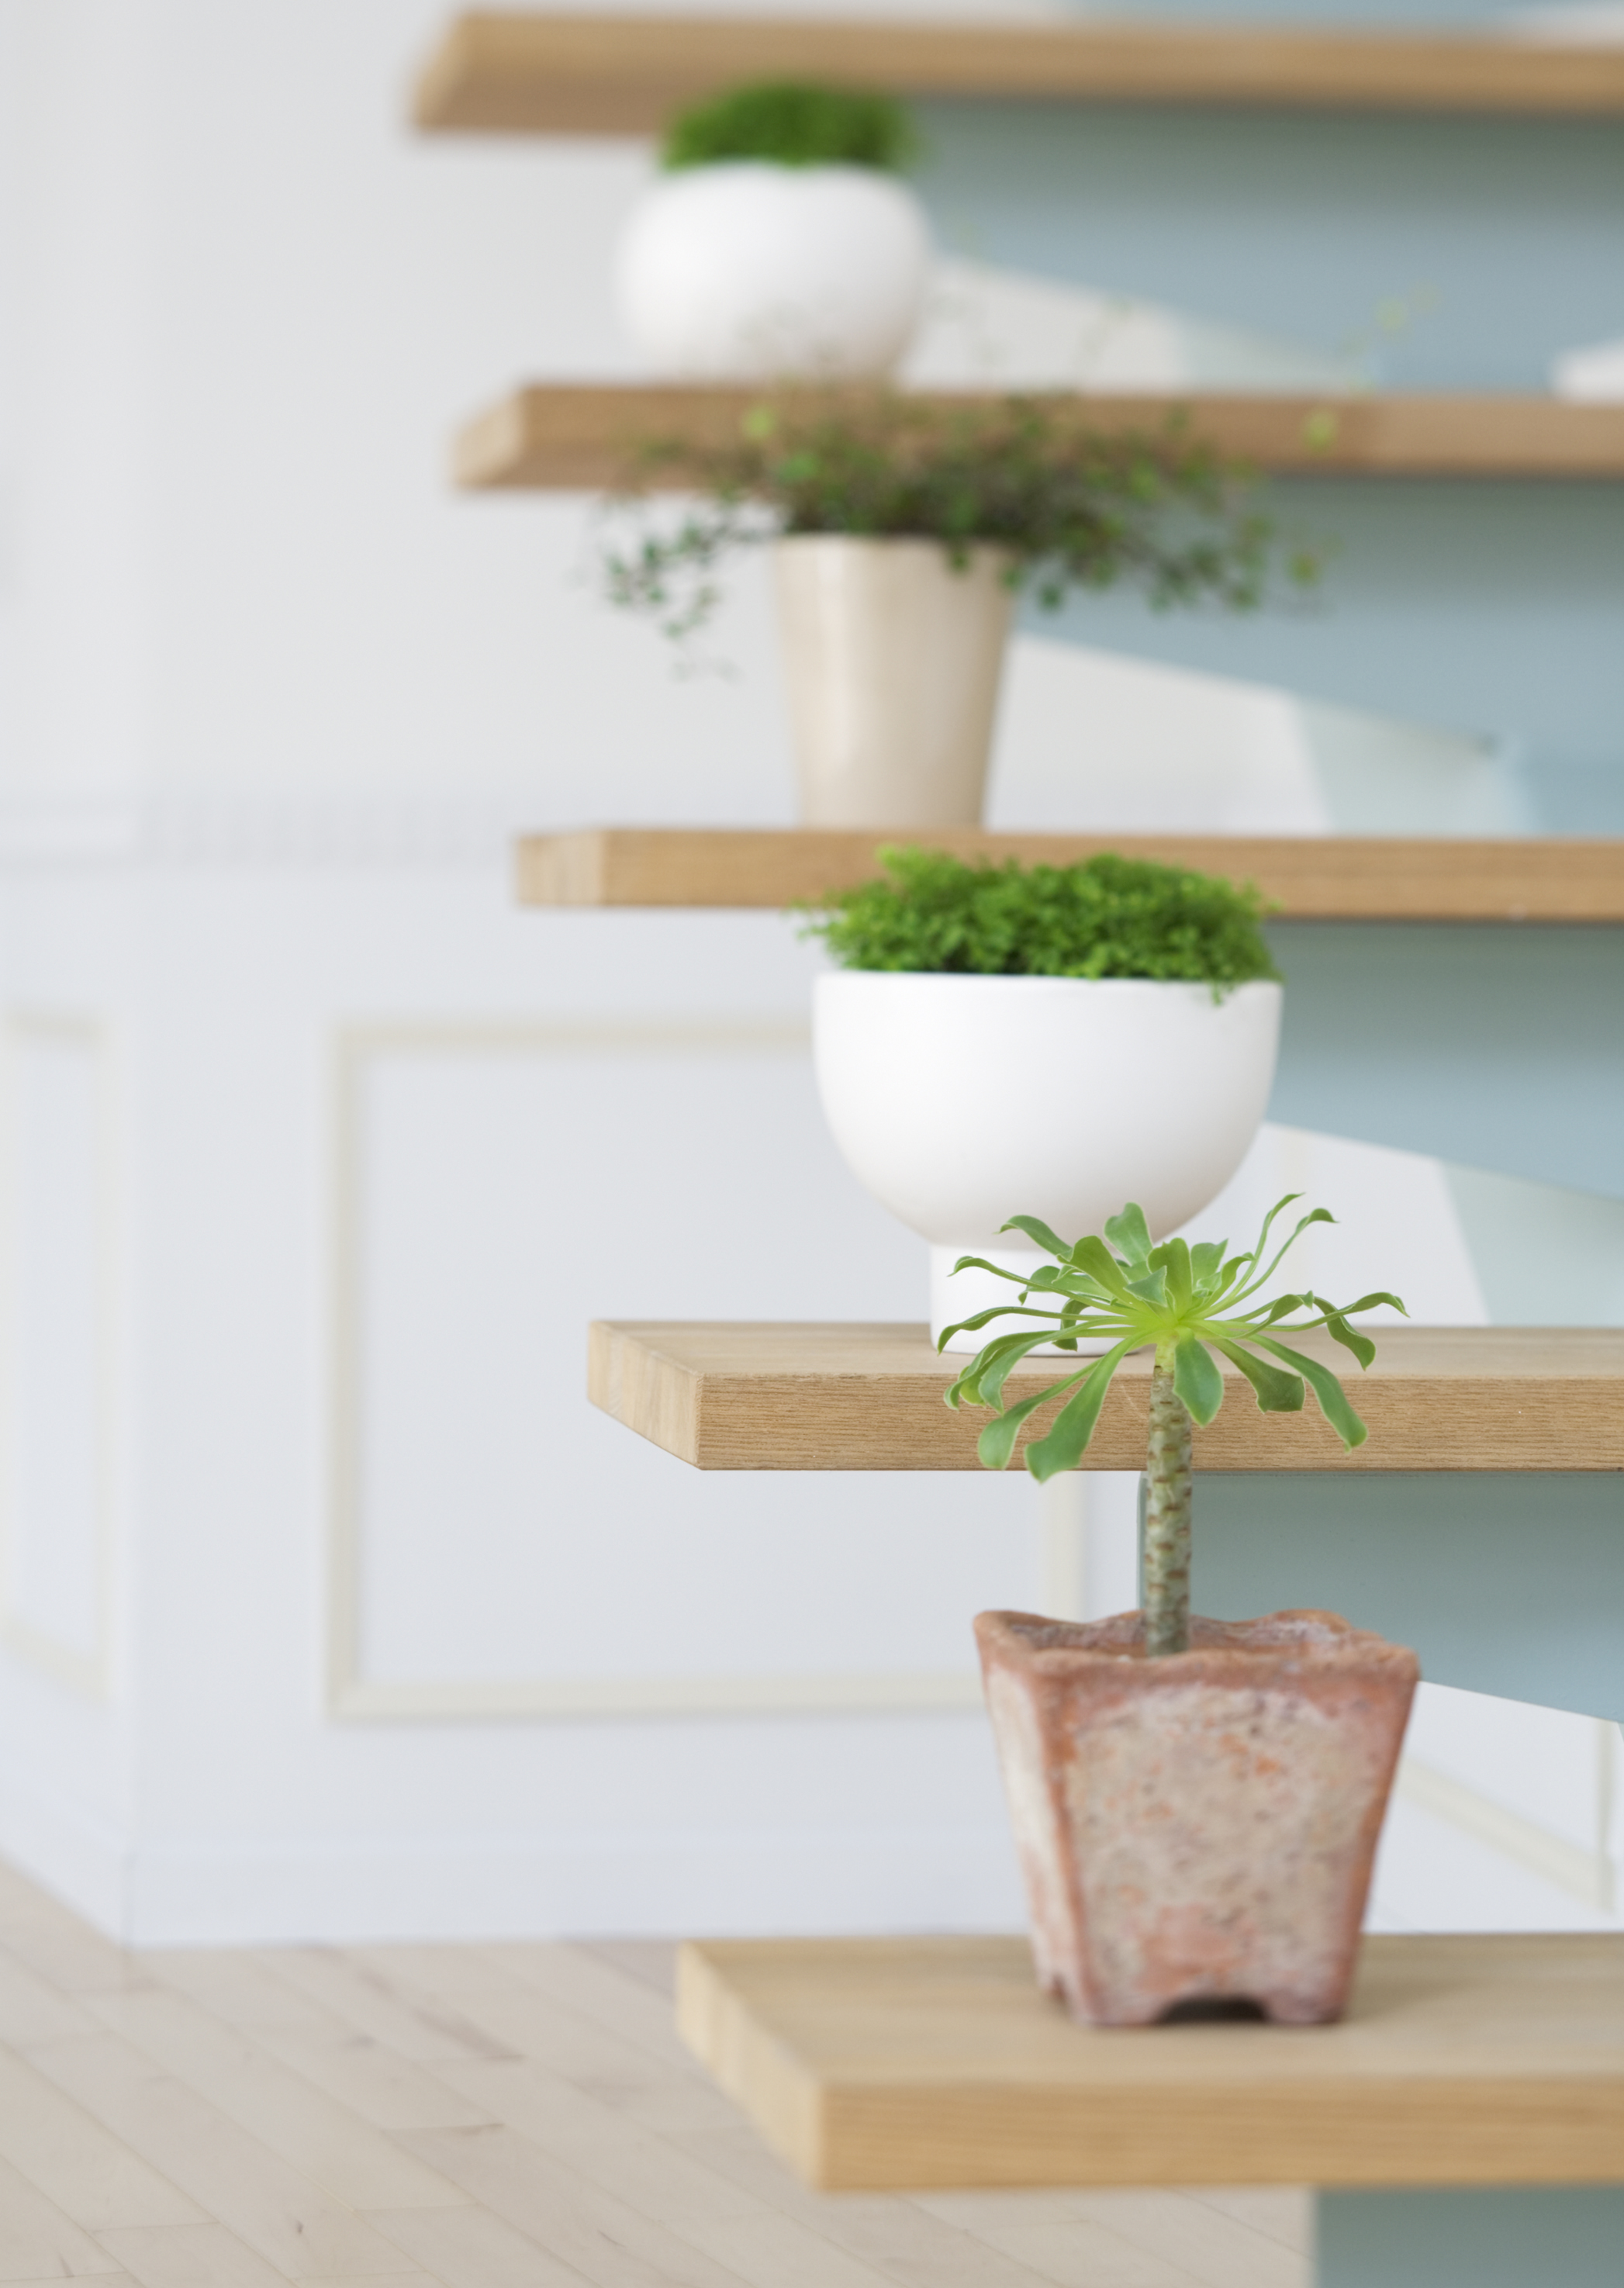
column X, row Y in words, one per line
column 1489, row 606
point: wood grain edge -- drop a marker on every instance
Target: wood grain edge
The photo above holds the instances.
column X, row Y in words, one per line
column 749, row 2064
column 1463, row 2128
column 643, row 1388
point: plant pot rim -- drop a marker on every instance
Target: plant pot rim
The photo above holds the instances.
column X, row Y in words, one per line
column 800, row 168
column 939, row 543
column 913, row 979
column 1292, row 1640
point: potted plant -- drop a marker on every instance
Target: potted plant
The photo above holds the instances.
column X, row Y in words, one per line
column 968, row 996
column 1196, row 1804
column 778, row 242
column 901, row 531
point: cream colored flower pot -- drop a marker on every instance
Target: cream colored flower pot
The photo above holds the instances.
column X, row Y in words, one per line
column 892, row 661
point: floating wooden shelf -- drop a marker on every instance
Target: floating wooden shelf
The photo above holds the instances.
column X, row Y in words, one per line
column 584, row 436
column 586, row 75
column 891, row 2063
column 870, row 1397
column 1312, row 877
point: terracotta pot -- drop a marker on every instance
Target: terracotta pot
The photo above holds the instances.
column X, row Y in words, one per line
column 891, row 661
column 1199, row 1828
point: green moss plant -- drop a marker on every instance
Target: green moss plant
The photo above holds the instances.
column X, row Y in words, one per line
column 1108, row 917
column 793, row 125
column 1069, row 508
column 1189, row 1302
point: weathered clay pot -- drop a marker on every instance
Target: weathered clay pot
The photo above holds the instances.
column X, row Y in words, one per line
column 1201, row 1827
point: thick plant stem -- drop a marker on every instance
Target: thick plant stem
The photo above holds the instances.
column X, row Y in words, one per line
column 1166, row 1518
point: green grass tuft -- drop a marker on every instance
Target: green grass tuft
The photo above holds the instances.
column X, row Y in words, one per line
column 1109, row 917
column 794, row 126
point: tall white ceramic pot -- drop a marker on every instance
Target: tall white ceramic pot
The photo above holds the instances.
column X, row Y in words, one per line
column 892, row 658
column 959, row 1101
column 749, row 271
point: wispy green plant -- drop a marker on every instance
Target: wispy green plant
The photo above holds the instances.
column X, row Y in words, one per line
column 1187, row 1301
column 1068, row 507
column 793, row 125
column 1105, row 916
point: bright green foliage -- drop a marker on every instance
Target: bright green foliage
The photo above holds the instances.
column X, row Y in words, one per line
column 1109, row 917
column 1185, row 1300
column 1069, row 508
column 797, row 126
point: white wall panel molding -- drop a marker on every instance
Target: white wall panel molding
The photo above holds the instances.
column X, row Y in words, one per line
column 56, row 1344
column 365, row 1056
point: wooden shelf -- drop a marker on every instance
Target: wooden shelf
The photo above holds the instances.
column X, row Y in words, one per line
column 1322, row 878
column 870, row 1397
column 891, row 2063
column 585, row 75
column 584, row 436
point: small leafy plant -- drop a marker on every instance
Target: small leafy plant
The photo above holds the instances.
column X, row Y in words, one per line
column 793, row 125
column 1067, row 507
column 1108, row 917
column 1188, row 1301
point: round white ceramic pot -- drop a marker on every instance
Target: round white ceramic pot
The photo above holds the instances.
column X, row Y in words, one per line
column 745, row 271
column 893, row 657
column 959, row 1101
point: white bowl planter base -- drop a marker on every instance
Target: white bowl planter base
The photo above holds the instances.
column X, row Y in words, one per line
column 892, row 658
column 746, row 271
column 960, row 1101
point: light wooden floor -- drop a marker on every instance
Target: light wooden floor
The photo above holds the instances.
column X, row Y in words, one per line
column 482, row 2117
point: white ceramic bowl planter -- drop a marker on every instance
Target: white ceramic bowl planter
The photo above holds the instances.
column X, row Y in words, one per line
column 892, row 658
column 751, row 271
column 960, row 1101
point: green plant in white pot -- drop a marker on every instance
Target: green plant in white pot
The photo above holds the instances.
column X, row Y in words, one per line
column 901, row 531
column 1196, row 1803
column 965, row 993
column 779, row 241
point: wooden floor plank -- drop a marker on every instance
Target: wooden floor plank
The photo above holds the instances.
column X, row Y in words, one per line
column 196, row 2256
column 417, row 2028
column 1286, row 2216
column 1075, row 2254
column 91, row 2175
column 603, row 2237
column 1219, row 2252
column 37, row 2241
column 472, row 2248
column 379, row 2087
column 290, row 2222
column 33, row 2010
column 772, row 2251
column 596, row 1990
column 523, row 2022
column 324, row 2140
column 899, row 2237
column 660, row 2180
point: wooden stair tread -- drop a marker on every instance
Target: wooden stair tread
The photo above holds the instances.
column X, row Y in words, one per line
column 898, row 2063
column 833, row 1397
column 589, row 435
column 545, row 74
column 1320, row 878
